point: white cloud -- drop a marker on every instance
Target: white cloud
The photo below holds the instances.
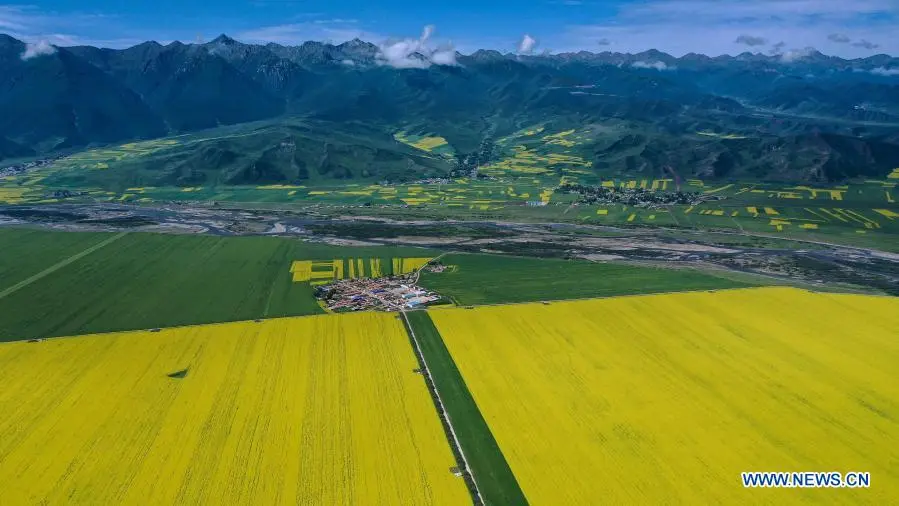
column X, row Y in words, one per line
column 426, row 32
column 40, row 48
column 740, row 10
column 15, row 18
column 796, row 54
column 348, row 63
column 751, row 40
column 865, row 44
column 335, row 21
column 292, row 34
column 839, row 38
column 675, row 26
column 403, row 54
column 777, row 49
column 883, row 71
column 415, row 53
column 527, row 44
column 654, row 65
column 713, row 26
column 444, row 56
column 33, row 25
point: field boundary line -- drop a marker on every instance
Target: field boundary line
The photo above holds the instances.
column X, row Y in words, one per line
column 59, row 265
column 443, row 412
column 457, row 306
column 649, row 294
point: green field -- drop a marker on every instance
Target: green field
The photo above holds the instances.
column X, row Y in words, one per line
column 26, row 252
column 495, row 480
column 493, row 279
column 523, row 185
column 142, row 281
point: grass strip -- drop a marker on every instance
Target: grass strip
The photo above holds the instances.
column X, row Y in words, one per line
column 495, row 480
column 59, row 265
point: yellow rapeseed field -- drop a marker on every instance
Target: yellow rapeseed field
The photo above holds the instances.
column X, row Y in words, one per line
column 11, row 195
column 666, row 399
column 321, row 272
column 408, row 265
column 322, row 410
column 301, row 270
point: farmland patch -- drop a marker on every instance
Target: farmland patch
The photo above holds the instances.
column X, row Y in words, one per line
column 317, row 410
column 491, row 279
column 319, row 272
column 668, row 398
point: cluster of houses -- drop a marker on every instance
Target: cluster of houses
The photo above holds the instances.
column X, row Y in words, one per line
column 21, row 168
column 384, row 294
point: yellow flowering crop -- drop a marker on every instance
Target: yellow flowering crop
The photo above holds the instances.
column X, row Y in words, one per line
column 322, row 410
column 408, row 265
column 302, row 270
column 375, row 264
column 312, row 270
column 666, row 399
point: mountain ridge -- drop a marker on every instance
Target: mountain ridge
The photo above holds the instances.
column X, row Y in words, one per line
column 807, row 54
column 83, row 96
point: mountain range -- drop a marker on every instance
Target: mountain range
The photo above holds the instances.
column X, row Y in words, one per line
column 797, row 116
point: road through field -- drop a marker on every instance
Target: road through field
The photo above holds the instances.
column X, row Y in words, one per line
column 442, row 408
column 59, row 265
column 496, row 485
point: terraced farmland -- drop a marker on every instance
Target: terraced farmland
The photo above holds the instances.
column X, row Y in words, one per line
column 668, row 398
column 315, row 410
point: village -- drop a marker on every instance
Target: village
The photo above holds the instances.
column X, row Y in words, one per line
column 23, row 167
column 394, row 293
column 638, row 197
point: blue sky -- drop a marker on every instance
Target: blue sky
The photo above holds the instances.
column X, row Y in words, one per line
column 854, row 28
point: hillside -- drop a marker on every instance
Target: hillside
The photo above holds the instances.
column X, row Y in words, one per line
column 287, row 151
column 817, row 118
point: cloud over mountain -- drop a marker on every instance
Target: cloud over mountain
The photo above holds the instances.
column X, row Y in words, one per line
column 883, row 71
column 527, row 44
column 865, row 44
column 839, row 38
column 796, row 54
column 416, row 53
column 40, row 48
column 653, row 65
column 751, row 40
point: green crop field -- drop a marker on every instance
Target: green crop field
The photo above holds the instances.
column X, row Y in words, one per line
column 140, row 281
column 493, row 279
column 27, row 252
column 524, row 184
column 493, row 475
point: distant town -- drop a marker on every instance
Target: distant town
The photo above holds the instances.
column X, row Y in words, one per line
column 638, row 197
column 21, row 168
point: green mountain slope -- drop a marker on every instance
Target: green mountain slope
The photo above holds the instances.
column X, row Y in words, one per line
column 285, row 152
column 816, row 118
